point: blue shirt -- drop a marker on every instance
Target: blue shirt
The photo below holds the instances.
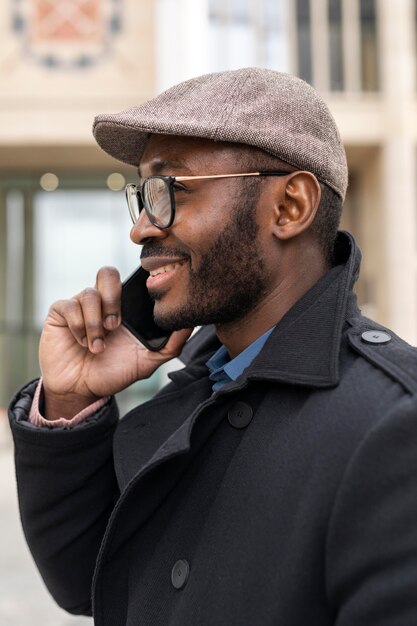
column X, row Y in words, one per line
column 223, row 370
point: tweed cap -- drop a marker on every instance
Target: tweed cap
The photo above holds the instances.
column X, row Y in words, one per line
column 274, row 111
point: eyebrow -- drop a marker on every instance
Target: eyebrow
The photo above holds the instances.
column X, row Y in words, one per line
column 160, row 165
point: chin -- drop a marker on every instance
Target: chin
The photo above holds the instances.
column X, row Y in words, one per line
column 165, row 316
column 171, row 318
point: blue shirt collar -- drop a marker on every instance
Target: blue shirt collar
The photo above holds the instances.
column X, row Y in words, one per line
column 223, row 369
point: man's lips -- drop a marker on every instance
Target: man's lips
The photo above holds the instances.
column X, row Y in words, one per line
column 158, row 265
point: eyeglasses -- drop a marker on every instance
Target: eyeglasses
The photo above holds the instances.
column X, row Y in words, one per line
column 157, row 195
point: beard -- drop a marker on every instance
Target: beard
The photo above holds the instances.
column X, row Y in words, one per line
column 231, row 278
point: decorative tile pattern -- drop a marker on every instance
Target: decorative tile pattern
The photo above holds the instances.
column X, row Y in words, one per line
column 67, row 34
column 67, row 20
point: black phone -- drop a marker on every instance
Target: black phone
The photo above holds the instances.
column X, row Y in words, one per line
column 137, row 312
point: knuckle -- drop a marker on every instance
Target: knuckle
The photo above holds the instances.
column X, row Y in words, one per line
column 63, row 307
column 72, row 305
column 94, row 326
column 58, row 305
column 77, row 324
column 87, row 294
column 111, row 304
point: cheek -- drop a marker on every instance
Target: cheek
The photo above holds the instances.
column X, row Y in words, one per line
column 198, row 226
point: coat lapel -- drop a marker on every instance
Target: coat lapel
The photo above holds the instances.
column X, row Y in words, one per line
column 156, row 426
column 148, row 479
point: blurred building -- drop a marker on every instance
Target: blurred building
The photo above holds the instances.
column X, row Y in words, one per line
column 62, row 211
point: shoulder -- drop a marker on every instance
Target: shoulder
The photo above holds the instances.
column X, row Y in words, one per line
column 386, row 351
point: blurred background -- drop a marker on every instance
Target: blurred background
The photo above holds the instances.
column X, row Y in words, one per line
column 62, row 207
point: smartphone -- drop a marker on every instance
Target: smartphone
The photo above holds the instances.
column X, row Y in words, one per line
column 137, row 312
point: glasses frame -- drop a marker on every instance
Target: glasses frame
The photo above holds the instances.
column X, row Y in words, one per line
column 169, row 181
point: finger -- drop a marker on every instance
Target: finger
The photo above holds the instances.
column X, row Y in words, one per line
column 110, row 287
column 91, row 307
column 68, row 313
column 176, row 342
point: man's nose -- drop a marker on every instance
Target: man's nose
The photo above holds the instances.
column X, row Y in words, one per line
column 143, row 229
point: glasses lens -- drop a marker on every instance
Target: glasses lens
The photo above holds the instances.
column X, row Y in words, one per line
column 133, row 202
column 157, row 201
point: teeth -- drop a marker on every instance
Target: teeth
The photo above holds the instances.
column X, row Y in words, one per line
column 165, row 268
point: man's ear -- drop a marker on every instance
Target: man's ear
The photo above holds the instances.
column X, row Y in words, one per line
column 297, row 205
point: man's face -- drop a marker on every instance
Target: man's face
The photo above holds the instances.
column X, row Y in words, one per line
column 208, row 267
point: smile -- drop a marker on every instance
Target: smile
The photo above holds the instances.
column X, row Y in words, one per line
column 163, row 272
column 170, row 267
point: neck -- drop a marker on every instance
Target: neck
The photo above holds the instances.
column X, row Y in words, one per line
column 238, row 335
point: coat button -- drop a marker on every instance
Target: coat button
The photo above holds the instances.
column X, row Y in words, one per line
column 180, row 573
column 240, row 415
column 376, row 336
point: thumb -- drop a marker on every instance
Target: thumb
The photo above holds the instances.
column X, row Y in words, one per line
column 176, row 343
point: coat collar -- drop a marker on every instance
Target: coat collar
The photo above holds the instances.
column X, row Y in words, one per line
column 304, row 347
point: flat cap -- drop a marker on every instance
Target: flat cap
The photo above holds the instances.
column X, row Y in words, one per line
column 274, row 111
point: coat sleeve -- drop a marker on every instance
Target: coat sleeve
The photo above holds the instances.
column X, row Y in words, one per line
column 66, row 489
column 372, row 539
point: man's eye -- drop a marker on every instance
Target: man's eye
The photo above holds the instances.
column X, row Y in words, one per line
column 177, row 187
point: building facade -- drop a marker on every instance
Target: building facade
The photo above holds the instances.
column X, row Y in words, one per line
column 62, row 212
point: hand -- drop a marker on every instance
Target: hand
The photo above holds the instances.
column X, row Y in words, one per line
column 85, row 353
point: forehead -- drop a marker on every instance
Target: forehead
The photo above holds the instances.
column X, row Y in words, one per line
column 171, row 153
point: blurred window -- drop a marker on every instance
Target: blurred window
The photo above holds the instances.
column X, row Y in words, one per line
column 76, row 232
column 369, row 46
column 245, row 33
column 336, row 45
column 304, row 40
column 294, row 36
column 276, row 38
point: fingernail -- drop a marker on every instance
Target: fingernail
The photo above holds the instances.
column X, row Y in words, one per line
column 98, row 344
column 84, row 341
column 111, row 321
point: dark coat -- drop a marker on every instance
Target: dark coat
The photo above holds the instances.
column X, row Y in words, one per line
column 305, row 514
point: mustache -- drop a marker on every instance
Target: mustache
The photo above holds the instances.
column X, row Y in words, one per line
column 156, row 249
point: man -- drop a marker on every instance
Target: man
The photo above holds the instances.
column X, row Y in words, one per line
column 274, row 480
